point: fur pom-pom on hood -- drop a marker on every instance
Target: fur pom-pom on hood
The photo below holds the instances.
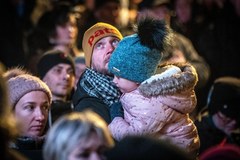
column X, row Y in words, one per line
column 164, row 83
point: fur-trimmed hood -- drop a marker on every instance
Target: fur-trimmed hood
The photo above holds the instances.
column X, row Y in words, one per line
column 170, row 79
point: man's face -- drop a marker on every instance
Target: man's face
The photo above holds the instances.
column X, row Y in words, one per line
column 66, row 34
column 102, row 51
column 224, row 123
column 60, row 79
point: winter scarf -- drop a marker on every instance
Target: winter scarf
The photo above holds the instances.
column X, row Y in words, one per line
column 100, row 86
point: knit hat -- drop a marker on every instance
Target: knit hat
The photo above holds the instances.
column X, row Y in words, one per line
column 137, row 56
column 94, row 34
column 51, row 59
column 224, row 96
column 21, row 84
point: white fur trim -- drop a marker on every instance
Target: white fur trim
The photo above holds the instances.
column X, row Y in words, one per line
column 168, row 72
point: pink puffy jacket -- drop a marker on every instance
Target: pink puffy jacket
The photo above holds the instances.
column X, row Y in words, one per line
column 161, row 109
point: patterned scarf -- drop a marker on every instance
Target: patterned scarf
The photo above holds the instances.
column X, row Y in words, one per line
column 100, row 86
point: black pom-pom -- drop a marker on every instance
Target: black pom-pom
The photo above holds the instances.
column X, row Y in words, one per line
column 153, row 33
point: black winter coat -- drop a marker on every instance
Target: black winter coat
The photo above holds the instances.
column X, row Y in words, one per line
column 83, row 101
column 58, row 109
column 29, row 147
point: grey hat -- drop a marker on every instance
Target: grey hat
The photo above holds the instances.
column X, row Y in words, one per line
column 19, row 85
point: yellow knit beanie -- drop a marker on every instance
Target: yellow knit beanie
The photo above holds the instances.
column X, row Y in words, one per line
column 94, row 34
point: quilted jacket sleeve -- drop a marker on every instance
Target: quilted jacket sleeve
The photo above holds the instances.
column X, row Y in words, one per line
column 147, row 119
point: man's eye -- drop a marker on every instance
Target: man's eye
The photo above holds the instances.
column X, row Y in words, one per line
column 99, row 46
column 115, row 43
column 57, row 70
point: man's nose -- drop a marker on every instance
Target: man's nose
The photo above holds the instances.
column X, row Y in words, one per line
column 110, row 48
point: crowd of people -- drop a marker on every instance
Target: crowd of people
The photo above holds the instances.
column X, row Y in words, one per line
column 79, row 81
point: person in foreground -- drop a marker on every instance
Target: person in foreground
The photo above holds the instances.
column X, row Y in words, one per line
column 95, row 89
column 30, row 100
column 154, row 104
column 143, row 148
column 78, row 136
column 8, row 125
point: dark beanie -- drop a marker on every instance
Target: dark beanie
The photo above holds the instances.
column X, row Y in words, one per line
column 51, row 59
column 224, row 96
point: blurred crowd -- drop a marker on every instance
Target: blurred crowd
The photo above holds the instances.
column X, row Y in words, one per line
column 54, row 58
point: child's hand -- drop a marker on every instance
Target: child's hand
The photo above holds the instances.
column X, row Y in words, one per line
column 116, row 110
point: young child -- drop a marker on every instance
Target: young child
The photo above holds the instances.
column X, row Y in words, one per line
column 157, row 105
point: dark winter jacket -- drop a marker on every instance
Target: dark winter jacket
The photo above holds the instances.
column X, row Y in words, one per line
column 209, row 134
column 82, row 101
column 12, row 154
column 59, row 108
column 29, row 147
